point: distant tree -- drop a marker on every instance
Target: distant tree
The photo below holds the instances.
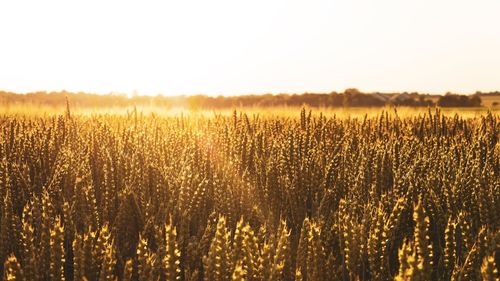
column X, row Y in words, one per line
column 475, row 101
column 352, row 91
column 452, row 100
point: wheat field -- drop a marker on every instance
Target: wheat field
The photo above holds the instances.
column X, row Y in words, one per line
column 303, row 195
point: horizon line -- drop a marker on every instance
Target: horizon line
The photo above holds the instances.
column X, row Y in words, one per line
column 138, row 93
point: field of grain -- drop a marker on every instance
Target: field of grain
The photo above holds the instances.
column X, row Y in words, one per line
column 291, row 194
column 491, row 101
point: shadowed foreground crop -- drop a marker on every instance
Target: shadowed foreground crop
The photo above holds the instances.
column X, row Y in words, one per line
column 243, row 197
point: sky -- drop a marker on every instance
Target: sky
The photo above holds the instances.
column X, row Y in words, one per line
column 229, row 47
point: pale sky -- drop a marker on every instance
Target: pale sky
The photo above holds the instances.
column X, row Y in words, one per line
column 256, row 46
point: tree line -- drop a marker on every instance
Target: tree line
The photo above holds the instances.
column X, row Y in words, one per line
column 349, row 98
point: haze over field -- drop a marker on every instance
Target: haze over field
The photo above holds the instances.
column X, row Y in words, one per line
column 239, row 47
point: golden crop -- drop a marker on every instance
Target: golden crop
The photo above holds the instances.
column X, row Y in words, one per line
column 249, row 197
